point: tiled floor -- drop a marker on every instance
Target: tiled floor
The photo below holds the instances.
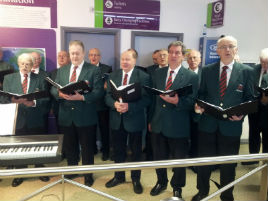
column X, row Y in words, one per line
column 246, row 190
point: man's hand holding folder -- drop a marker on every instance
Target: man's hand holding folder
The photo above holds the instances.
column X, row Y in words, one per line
column 235, row 113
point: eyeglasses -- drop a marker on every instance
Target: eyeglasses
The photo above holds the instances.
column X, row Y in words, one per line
column 225, row 47
column 163, row 55
column 94, row 55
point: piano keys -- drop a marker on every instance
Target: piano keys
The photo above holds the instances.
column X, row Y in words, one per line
column 30, row 149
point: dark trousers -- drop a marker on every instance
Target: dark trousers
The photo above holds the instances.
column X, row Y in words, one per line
column 163, row 149
column 193, row 150
column 215, row 144
column 120, row 138
column 257, row 125
column 73, row 136
column 104, row 126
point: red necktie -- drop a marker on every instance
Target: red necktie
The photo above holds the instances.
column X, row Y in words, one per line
column 25, row 83
column 223, row 81
column 33, row 71
column 169, row 81
column 125, row 79
column 73, row 77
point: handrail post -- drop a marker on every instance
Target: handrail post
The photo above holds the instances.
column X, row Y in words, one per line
column 63, row 187
column 263, row 183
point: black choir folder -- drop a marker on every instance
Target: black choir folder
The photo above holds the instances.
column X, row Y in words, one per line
column 262, row 90
column 183, row 91
column 81, row 87
column 223, row 114
column 126, row 93
column 29, row 96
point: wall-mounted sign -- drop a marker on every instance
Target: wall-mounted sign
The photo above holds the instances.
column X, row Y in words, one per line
column 28, row 13
column 215, row 14
column 207, row 48
column 127, row 14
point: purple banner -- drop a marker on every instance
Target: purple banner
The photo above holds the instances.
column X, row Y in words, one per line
column 31, row 38
column 217, row 13
column 52, row 4
column 129, row 14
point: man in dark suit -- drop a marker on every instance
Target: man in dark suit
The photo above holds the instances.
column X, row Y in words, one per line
column 162, row 61
column 194, row 60
column 63, row 59
column 36, row 67
column 127, row 120
column 225, row 84
column 94, row 56
column 37, row 70
column 170, row 122
column 258, row 121
column 161, row 57
column 30, row 119
column 77, row 113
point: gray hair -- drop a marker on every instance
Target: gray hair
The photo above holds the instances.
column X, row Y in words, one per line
column 229, row 38
column 26, row 56
column 264, row 53
column 178, row 43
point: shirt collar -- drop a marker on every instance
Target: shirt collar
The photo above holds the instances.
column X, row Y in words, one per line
column 79, row 66
column 176, row 70
column 230, row 65
column 128, row 73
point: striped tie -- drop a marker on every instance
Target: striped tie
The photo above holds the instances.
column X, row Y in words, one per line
column 73, row 77
column 223, row 81
column 125, row 79
column 25, row 83
column 169, row 81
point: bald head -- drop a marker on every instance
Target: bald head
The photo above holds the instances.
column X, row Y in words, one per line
column 63, row 58
column 37, row 59
column 94, row 56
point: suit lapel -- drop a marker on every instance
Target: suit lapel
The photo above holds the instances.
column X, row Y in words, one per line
column 66, row 74
column 83, row 72
column 233, row 78
column 17, row 82
column 162, row 79
column 134, row 76
column 117, row 78
column 179, row 79
column 33, row 82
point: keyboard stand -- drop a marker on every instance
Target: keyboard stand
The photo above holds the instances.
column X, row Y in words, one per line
column 63, row 180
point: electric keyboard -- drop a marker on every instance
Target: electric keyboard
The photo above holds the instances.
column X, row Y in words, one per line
column 30, row 149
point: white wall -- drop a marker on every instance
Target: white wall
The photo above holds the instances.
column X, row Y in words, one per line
column 246, row 20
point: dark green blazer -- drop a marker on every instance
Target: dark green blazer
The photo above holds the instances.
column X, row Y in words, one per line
column 101, row 102
column 257, row 74
column 134, row 119
column 263, row 109
column 173, row 120
column 239, row 90
column 32, row 117
column 81, row 113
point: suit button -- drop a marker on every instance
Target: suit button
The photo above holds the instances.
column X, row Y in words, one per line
column 164, row 105
column 221, row 104
column 72, row 108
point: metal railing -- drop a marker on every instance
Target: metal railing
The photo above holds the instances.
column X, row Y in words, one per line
column 50, row 171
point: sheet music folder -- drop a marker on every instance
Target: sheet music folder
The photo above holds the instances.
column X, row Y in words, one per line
column 262, row 90
column 81, row 87
column 128, row 93
column 183, row 91
column 223, row 114
column 29, row 96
